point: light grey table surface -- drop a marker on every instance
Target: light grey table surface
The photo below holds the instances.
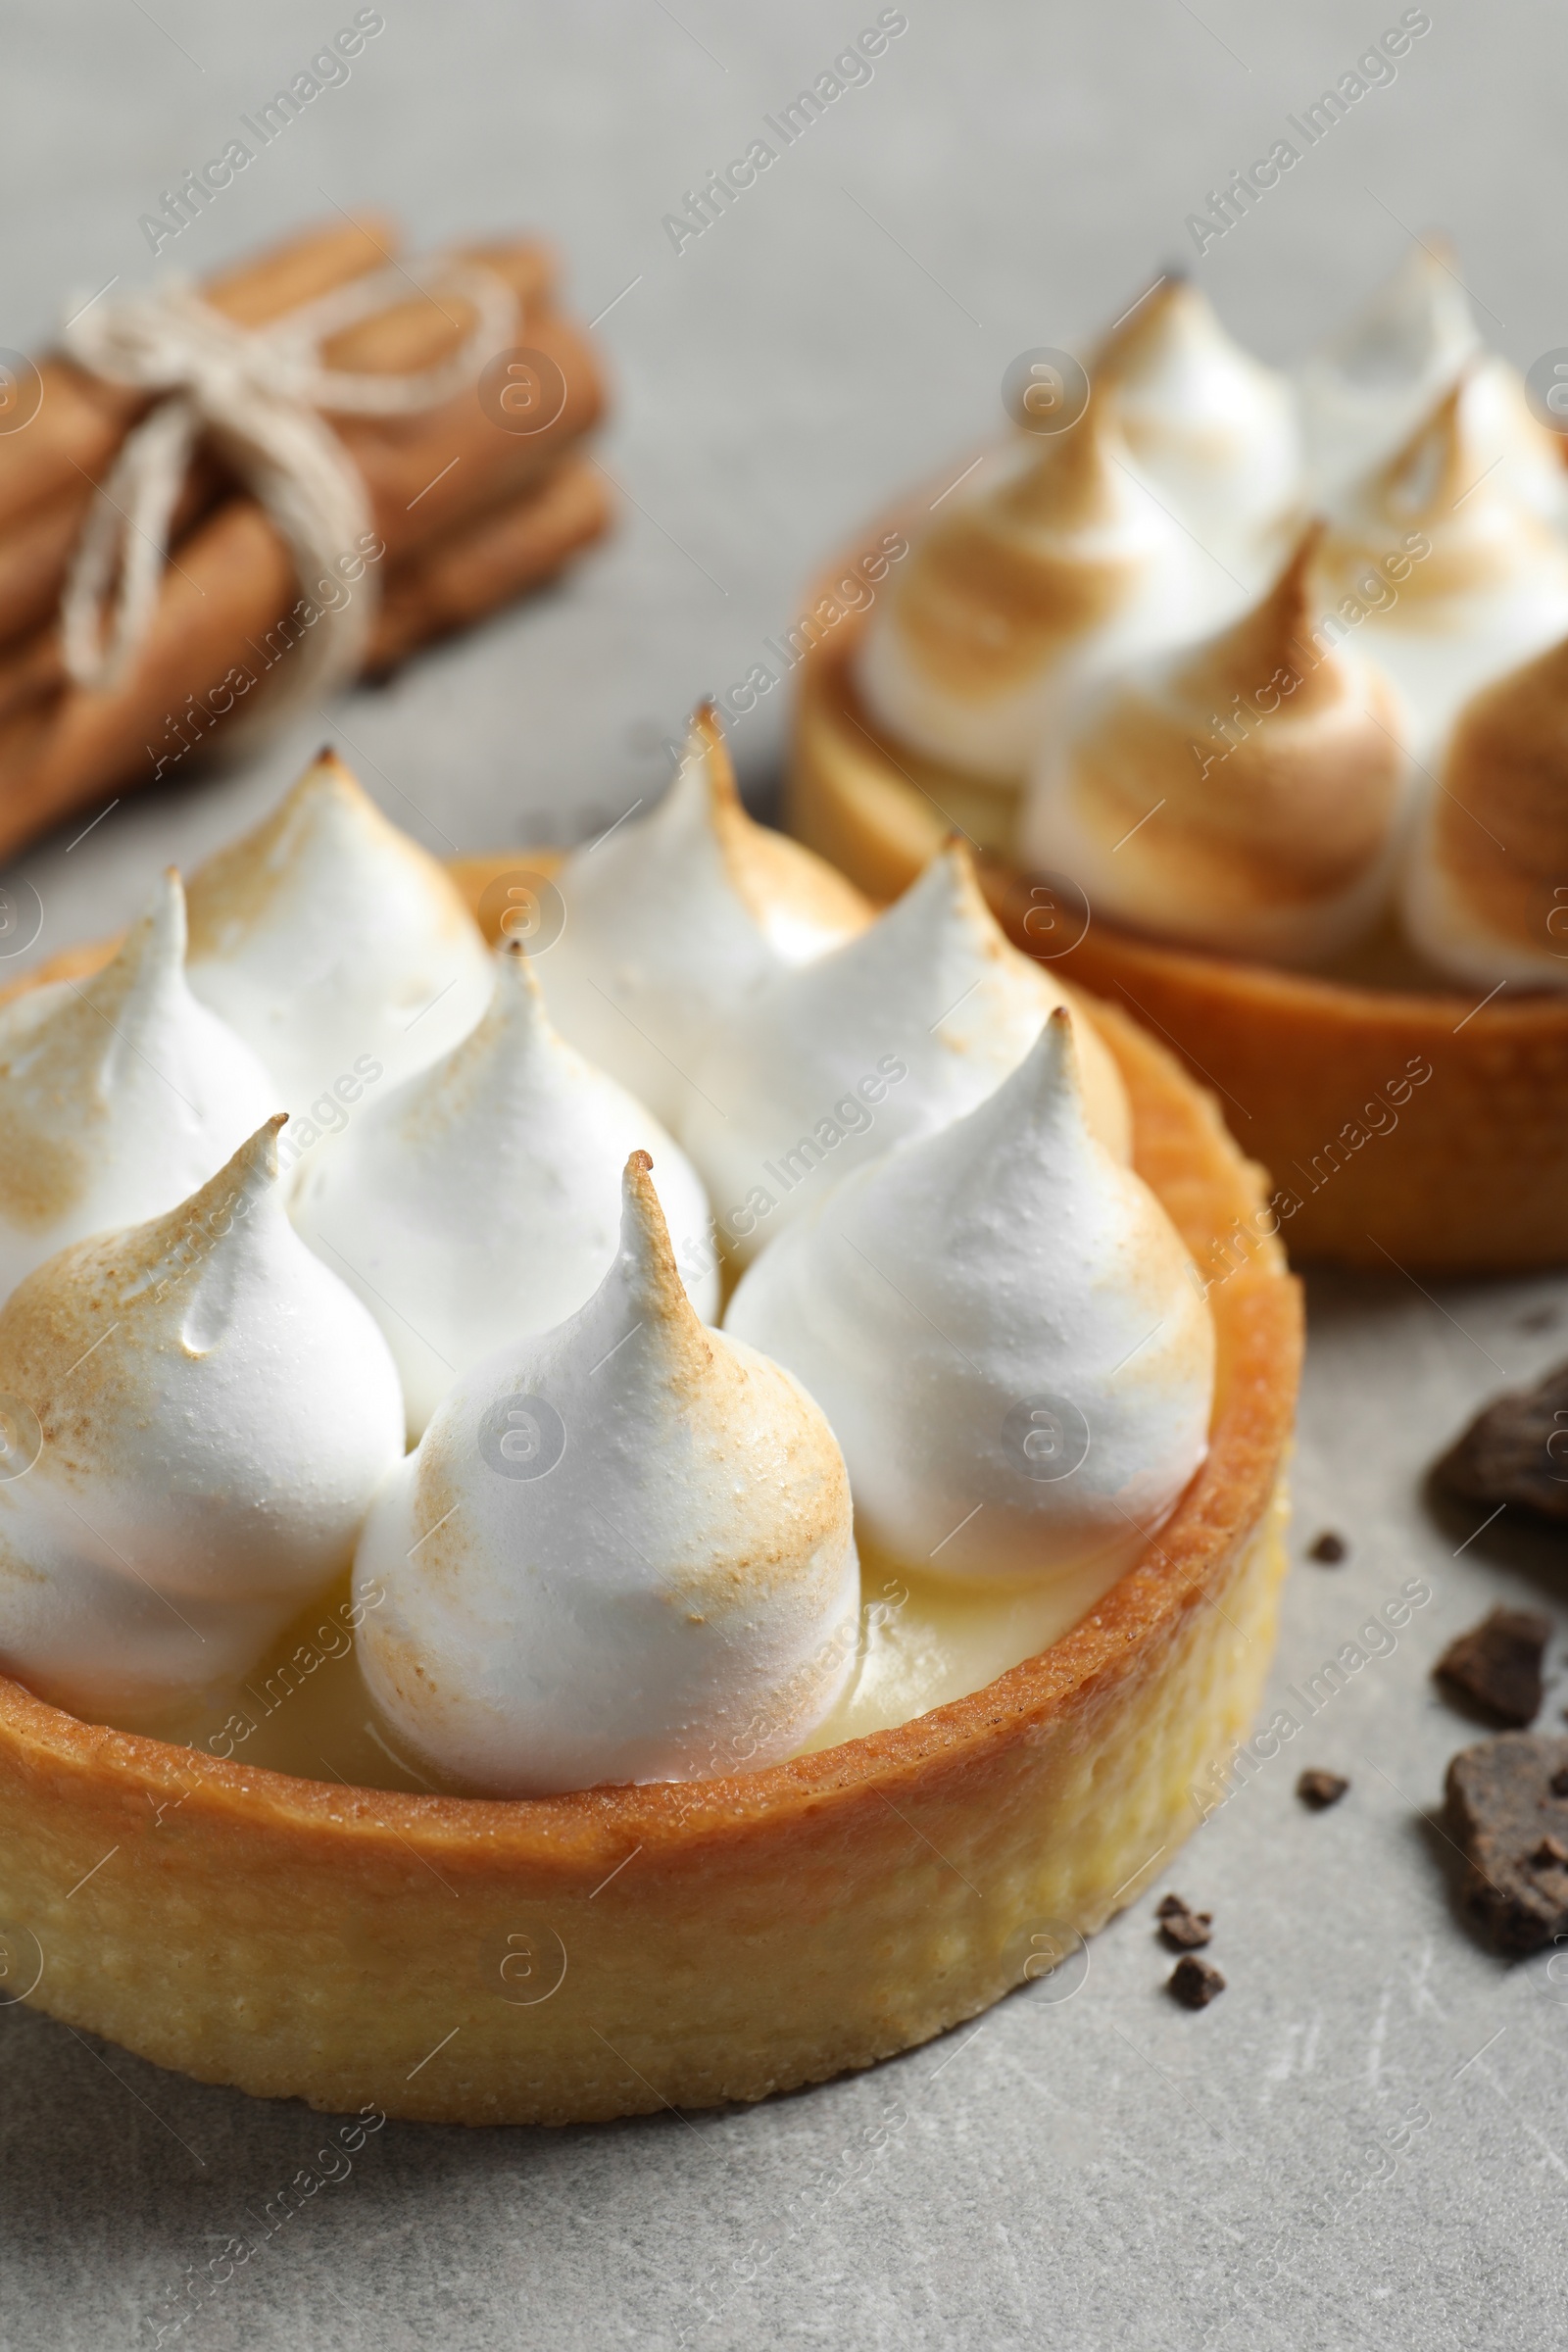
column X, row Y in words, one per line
column 1105, row 2171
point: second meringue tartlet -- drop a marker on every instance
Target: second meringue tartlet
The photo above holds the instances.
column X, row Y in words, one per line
column 1285, row 842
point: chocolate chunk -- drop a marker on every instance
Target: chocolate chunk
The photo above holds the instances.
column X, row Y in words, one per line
column 1515, row 1451
column 1328, row 1548
column 1183, row 1929
column 1496, row 1664
column 1508, row 1805
column 1195, row 1983
column 1549, row 1854
column 1319, row 1788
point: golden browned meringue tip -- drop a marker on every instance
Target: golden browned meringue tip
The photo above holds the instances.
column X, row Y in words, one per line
column 773, row 877
column 1071, row 485
column 1142, row 324
column 645, row 1241
column 1241, row 795
column 1489, row 900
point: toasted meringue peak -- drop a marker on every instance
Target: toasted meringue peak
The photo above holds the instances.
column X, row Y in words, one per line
column 1455, row 575
column 891, row 1036
column 1005, row 1332
column 675, row 917
column 1242, row 794
column 1365, row 393
column 215, row 1411
column 331, row 941
column 1486, row 889
column 481, row 1201
column 1018, row 590
column 622, row 1551
column 802, row 904
column 1212, row 427
column 118, row 1094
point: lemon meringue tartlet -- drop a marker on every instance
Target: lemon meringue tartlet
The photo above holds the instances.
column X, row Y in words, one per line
column 1314, row 842
column 837, row 1805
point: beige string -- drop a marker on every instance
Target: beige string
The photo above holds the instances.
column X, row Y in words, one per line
column 259, row 395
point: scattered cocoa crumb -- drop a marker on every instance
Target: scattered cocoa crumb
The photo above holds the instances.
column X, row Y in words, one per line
column 1507, row 1808
column 1320, row 1788
column 1328, row 1548
column 1540, row 1318
column 1184, row 1931
column 1496, row 1664
column 1504, row 1456
column 1195, row 1983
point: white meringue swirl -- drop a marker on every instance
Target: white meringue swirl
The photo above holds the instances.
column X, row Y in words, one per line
column 214, row 1412
column 119, row 1094
column 329, row 938
column 673, row 918
column 893, row 1035
column 1005, row 1332
column 480, row 1201
column 622, row 1552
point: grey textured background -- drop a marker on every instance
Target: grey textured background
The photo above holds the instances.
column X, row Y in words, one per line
column 1103, row 2172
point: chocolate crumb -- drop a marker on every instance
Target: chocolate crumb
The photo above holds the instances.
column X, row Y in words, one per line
column 1508, row 1804
column 1328, row 1548
column 1496, row 1665
column 1183, row 1929
column 1540, row 1318
column 1515, row 1451
column 1195, row 1983
column 1549, row 1854
column 1319, row 1788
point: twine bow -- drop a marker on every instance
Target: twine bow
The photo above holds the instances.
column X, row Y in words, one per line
column 259, row 395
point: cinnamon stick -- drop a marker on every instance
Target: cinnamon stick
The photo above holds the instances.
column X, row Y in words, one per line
column 422, row 483
column 55, row 757
column 82, row 420
column 413, row 335
column 466, row 515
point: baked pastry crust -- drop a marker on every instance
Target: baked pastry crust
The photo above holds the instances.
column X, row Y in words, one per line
column 1473, row 1178
column 610, row 1952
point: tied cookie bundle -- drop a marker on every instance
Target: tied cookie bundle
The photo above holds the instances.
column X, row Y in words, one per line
column 217, row 506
